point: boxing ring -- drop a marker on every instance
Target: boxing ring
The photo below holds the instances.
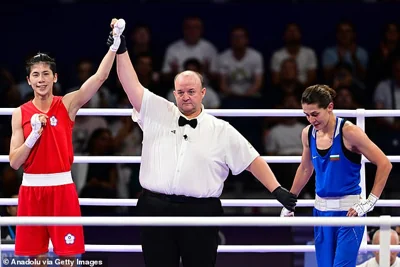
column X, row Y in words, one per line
column 384, row 222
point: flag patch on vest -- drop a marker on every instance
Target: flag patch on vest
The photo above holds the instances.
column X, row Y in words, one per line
column 334, row 157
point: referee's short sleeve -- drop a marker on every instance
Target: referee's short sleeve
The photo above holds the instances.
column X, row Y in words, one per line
column 153, row 109
column 239, row 152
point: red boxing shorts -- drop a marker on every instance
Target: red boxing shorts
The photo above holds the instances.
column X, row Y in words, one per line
column 48, row 195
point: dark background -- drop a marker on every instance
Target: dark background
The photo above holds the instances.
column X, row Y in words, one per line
column 71, row 31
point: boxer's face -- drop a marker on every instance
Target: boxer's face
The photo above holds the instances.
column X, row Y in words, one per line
column 41, row 79
column 189, row 94
column 318, row 117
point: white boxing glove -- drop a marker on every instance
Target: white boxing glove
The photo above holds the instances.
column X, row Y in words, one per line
column 118, row 29
column 34, row 135
column 286, row 213
column 365, row 205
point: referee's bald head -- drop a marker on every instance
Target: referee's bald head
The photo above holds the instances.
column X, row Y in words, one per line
column 190, row 74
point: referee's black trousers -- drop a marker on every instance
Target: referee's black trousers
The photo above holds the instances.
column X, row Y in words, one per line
column 165, row 246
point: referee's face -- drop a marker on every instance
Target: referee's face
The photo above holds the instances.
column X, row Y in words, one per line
column 189, row 94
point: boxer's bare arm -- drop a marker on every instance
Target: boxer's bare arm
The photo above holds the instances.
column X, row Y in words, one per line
column 75, row 100
column 19, row 152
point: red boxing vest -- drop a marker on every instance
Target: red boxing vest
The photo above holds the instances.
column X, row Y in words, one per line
column 53, row 151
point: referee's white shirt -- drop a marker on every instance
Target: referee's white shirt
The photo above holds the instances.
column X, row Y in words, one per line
column 195, row 166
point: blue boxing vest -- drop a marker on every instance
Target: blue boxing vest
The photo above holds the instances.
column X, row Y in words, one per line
column 337, row 173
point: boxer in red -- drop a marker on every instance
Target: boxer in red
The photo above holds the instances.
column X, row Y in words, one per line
column 41, row 143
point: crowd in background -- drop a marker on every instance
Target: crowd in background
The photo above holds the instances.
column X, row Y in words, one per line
column 239, row 77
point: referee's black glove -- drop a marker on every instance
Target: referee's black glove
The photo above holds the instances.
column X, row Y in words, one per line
column 287, row 199
column 122, row 46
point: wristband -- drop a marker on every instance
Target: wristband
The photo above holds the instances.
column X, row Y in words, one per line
column 32, row 138
column 117, row 41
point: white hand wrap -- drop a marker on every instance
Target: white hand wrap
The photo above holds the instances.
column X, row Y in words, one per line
column 117, row 41
column 365, row 205
column 286, row 213
column 34, row 135
column 119, row 28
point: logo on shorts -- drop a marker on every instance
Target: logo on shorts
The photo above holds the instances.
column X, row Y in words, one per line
column 69, row 239
column 53, row 121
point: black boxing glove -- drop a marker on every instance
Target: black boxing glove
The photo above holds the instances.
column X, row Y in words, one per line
column 122, row 47
column 287, row 199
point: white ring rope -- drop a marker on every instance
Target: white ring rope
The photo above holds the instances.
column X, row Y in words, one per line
column 202, row 221
column 225, row 202
column 237, row 112
column 384, row 221
column 221, row 248
column 137, row 159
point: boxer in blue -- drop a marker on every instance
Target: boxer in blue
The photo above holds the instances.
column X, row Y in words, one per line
column 333, row 148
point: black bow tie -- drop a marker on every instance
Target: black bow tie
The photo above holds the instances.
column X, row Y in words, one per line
column 182, row 122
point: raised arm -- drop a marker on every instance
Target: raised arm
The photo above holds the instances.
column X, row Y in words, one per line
column 129, row 80
column 75, row 100
column 127, row 75
column 19, row 147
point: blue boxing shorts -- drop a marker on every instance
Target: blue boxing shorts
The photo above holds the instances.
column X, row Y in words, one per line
column 337, row 246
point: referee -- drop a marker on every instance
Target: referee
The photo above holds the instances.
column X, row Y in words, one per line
column 186, row 157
